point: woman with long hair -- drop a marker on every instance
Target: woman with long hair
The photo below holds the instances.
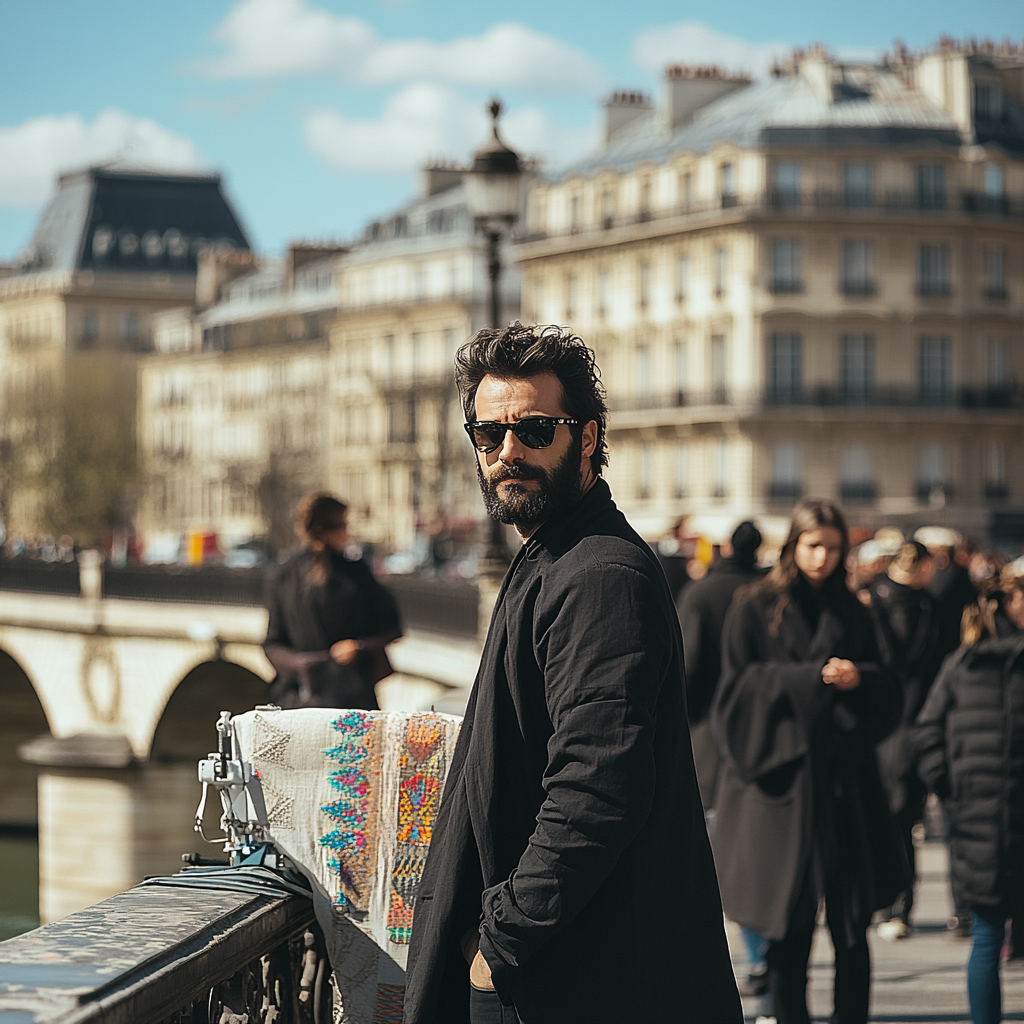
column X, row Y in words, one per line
column 330, row 620
column 969, row 740
column 801, row 811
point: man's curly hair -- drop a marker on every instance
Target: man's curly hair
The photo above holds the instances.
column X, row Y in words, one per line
column 516, row 352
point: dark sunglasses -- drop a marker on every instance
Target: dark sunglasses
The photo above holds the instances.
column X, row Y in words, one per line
column 534, row 432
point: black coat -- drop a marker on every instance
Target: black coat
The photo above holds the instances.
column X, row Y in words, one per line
column 969, row 739
column 799, row 790
column 570, row 831
column 702, row 608
column 914, row 638
column 307, row 618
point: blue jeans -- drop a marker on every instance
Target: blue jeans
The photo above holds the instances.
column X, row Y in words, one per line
column 983, row 992
column 757, row 948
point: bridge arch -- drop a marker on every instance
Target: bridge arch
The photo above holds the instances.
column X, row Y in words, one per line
column 185, row 730
column 22, row 719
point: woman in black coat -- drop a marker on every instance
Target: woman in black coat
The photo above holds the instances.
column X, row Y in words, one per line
column 969, row 739
column 330, row 620
column 801, row 811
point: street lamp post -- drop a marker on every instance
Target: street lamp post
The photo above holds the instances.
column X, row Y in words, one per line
column 493, row 194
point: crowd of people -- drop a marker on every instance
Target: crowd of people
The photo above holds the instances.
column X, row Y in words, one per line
column 827, row 698
column 569, row 876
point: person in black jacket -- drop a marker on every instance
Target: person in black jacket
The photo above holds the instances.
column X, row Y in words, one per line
column 329, row 619
column 969, row 741
column 702, row 606
column 913, row 642
column 801, row 812
column 569, row 879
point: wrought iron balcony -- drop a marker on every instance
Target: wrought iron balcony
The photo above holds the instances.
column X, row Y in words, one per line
column 979, row 399
column 731, row 205
column 858, row 492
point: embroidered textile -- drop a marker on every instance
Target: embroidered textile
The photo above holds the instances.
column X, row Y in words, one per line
column 351, row 798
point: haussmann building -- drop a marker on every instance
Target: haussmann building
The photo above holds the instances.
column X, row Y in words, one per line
column 808, row 284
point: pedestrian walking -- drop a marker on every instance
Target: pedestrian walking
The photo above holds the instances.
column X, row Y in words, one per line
column 913, row 643
column 801, row 813
column 330, row 620
column 702, row 606
column 969, row 741
column 569, row 878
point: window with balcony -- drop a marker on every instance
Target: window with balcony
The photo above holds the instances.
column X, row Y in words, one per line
column 857, row 270
column 685, row 190
column 857, row 368
column 131, row 329
column 718, row 375
column 931, row 474
column 402, row 421
column 604, row 289
column 786, row 184
column 644, row 213
column 993, row 181
column 995, row 279
column 679, row 373
column 645, row 473
column 727, row 185
column 682, row 277
column 643, row 370
column 682, row 481
column 785, row 368
column 390, row 358
column 931, row 187
column 607, row 208
column 720, row 469
column 935, row 369
column 89, row 330
column 721, row 271
column 574, row 214
column 644, row 285
column 570, row 296
column 996, row 488
column 856, row 474
column 997, row 376
column 785, row 485
column 858, row 184
column 933, row 270
column 785, row 271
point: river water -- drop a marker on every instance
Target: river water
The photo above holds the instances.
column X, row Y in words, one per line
column 100, row 832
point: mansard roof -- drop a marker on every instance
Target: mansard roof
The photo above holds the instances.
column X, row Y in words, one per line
column 871, row 106
column 118, row 218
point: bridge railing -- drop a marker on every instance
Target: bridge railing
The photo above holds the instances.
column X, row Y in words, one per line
column 436, row 606
column 159, row 955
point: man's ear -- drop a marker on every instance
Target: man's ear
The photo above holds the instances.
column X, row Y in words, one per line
column 589, row 439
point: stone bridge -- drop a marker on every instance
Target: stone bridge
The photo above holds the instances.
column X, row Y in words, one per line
column 145, row 675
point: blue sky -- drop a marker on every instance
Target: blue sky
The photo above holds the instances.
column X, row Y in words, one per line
column 317, row 112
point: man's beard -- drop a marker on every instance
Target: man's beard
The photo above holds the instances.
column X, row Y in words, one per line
column 559, row 490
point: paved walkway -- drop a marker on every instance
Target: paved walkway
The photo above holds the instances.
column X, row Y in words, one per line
column 916, row 980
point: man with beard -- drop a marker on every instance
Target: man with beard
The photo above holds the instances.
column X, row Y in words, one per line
column 569, row 878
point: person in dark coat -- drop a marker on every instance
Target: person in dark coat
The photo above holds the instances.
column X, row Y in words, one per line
column 969, row 741
column 569, row 878
column 801, row 812
column 702, row 607
column 330, row 620
column 913, row 642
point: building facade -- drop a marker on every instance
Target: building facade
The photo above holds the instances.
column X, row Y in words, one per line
column 115, row 246
column 411, row 292
column 812, row 284
column 232, row 411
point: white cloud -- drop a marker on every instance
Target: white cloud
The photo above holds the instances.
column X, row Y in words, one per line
column 423, row 122
column 279, row 38
column 35, row 151
column 692, row 42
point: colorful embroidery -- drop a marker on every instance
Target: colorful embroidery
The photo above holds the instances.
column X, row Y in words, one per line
column 357, row 781
column 421, row 768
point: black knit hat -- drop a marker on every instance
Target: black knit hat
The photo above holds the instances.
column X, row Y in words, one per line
column 746, row 539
